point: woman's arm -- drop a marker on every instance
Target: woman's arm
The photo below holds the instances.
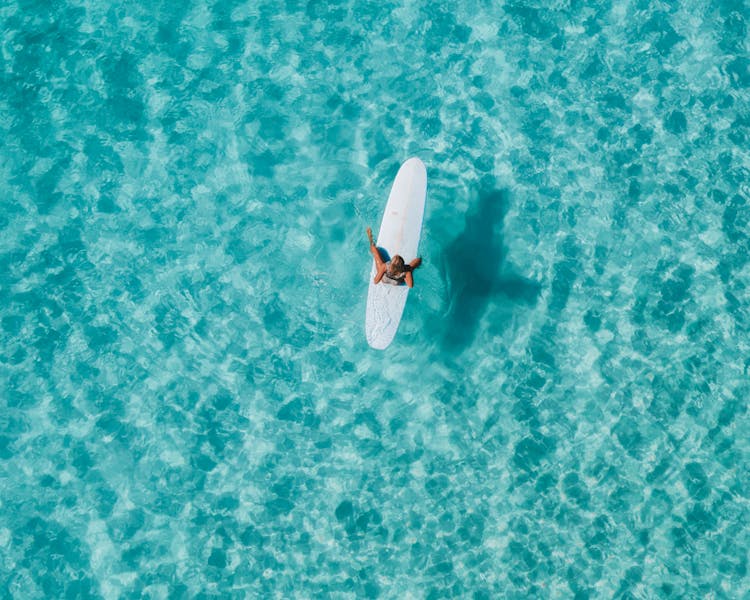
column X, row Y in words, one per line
column 379, row 263
column 412, row 265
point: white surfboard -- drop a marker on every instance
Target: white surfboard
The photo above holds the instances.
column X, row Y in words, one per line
column 399, row 234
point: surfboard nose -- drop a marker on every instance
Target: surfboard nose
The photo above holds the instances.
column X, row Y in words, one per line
column 416, row 164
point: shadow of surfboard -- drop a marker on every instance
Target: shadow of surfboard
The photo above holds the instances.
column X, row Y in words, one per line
column 476, row 272
column 384, row 254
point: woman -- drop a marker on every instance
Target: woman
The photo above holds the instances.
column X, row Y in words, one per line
column 393, row 272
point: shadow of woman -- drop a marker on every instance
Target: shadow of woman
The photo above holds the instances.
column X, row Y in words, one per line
column 476, row 274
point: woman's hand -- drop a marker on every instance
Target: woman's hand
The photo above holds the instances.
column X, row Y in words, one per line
column 369, row 236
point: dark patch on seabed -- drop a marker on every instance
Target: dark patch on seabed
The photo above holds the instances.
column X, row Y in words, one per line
column 477, row 273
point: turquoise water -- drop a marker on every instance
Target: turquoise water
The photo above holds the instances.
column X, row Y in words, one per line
column 189, row 406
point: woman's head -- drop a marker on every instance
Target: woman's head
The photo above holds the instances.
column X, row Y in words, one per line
column 397, row 265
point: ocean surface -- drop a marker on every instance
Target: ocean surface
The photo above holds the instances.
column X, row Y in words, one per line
column 188, row 405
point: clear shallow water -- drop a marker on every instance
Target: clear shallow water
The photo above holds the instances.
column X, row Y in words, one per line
column 189, row 404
